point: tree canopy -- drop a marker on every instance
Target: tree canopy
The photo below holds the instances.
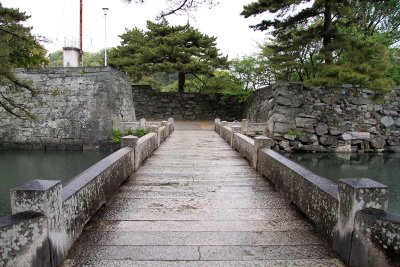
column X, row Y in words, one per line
column 169, row 49
column 18, row 48
column 328, row 42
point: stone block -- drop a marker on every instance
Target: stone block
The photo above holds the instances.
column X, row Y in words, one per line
column 355, row 194
column 335, row 131
column 378, row 142
column 387, row 121
column 321, row 128
column 351, row 136
column 313, row 148
column 281, row 127
column 305, row 122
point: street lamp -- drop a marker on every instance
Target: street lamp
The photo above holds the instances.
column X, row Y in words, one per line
column 105, row 9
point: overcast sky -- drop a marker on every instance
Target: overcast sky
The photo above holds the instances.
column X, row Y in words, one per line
column 57, row 19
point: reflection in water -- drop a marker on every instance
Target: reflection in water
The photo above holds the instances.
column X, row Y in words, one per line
column 382, row 168
column 18, row 167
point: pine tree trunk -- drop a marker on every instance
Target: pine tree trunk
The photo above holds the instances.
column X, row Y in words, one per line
column 327, row 35
column 181, row 82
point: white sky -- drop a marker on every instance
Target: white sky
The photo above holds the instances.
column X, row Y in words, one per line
column 57, row 19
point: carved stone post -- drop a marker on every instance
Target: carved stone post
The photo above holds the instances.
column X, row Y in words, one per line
column 44, row 196
column 355, row 194
column 259, row 142
column 245, row 125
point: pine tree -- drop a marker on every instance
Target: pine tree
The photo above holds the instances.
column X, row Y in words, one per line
column 18, row 48
column 165, row 48
column 331, row 42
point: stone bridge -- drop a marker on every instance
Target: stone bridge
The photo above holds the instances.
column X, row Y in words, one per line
column 198, row 202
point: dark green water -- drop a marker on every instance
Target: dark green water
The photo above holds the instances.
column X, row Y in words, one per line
column 382, row 168
column 18, row 167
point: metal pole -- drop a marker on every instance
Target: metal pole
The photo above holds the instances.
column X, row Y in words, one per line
column 105, row 35
column 80, row 33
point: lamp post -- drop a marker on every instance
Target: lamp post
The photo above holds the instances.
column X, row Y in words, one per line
column 105, row 9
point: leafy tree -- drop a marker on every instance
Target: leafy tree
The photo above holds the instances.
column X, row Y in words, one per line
column 89, row 59
column 394, row 71
column 165, row 48
column 330, row 42
column 18, row 48
column 252, row 72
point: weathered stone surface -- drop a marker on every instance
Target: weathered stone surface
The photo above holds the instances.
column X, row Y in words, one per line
column 290, row 137
column 185, row 208
column 352, row 109
column 377, row 142
column 281, row 127
column 74, row 107
column 305, row 122
column 316, row 148
column 350, row 136
column 284, row 144
column 335, row 131
column 150, row 103
column 387, row 121
column 328, row 140
column 321, row 128
column 343, row 149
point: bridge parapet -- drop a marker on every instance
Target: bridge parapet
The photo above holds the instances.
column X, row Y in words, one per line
column 48, row 217
column 351, row 216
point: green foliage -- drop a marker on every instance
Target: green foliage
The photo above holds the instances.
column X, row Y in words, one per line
column 96, row 59
column 251, row 72
column 167, row 49
column 18, row 48
column 139, row 132
column 394, row 71
column 117, row 134
column 331, row 42
column 297, row 133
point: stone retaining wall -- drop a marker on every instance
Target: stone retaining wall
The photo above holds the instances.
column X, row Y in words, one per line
column 349, row 119
column 74, row 109
column 351, row 216
column 43, row 237
column 187, row 106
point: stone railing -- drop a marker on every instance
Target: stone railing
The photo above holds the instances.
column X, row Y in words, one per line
column 48, row 217
column 352, row 216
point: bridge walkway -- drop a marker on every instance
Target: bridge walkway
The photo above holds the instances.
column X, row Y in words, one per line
column 196, row 202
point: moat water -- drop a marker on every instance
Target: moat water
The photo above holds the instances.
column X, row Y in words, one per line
column 381, row 168
column 18, row 167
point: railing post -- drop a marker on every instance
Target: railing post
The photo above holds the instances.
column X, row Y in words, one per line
column 154, row 129
column 355, row 194
column 217, row 123
column 129, row 141
column 171, row 120
column 259, row 142
column 245, row 124
column 235, row 129
column 44, row 196
column 143, row 123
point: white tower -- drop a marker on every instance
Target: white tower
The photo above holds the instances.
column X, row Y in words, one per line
column 71, row 52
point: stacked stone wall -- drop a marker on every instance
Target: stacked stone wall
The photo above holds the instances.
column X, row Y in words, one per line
column 187, row 106
column 73, row 110
column 321, row 119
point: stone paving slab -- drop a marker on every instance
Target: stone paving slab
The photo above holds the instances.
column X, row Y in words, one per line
column 195, row 202
column 207, row 253
column 216, row 203
column 190, row 213
column 255, row 263
column 199, row 226
column 189, row 238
